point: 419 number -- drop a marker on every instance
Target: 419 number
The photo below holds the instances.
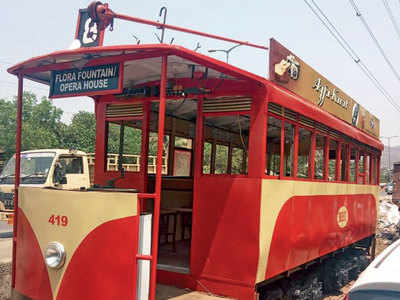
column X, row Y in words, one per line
column 58, row 220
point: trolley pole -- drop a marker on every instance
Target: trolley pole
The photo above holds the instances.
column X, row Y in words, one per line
column 17, row 173
column 388, row 143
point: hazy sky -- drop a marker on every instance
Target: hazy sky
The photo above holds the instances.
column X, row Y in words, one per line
column 31, row 28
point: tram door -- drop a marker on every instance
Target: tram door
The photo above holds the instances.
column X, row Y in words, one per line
column 175, row 229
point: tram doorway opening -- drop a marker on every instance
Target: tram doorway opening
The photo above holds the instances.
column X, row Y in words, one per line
column 176, row 210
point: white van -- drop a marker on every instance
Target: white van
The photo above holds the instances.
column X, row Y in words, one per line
column 59, row 168
column 381, row 280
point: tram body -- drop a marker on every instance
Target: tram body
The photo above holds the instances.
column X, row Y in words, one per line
column 248, row 224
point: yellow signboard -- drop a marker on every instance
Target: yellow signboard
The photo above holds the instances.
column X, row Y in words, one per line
column 289, row 71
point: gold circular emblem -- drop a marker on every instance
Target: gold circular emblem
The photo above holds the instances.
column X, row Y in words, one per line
column 342, row 216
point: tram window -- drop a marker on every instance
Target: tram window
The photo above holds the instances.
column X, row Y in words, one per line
column 288, row 161
column 207, row 158
column 343, row 162
column 129, row 149
column 333, row 148
column 304, row 153
column 230, row 137
column 353, row 165
column 361, row 161
column 367, row 168
column 319, row 156
column 361, row 168
column 153, row 144
column 273, row 159
column 237, row 161
column 374, row 163
column 181, row 142
column 221, row 159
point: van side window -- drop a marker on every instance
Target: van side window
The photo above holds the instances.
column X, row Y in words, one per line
column 71, row 165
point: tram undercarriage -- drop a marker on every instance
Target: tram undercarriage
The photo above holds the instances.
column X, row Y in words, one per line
column 318, row 278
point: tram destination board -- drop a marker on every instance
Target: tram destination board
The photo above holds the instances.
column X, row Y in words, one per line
column 86, row 81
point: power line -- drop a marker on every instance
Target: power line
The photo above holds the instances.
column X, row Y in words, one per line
column 340, row 38
column 374, row 39
column 350, row 51
column 391, row 16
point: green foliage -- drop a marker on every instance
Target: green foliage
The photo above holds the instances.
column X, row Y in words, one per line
column 41, row 124
column 42, row 127
column 81, row 133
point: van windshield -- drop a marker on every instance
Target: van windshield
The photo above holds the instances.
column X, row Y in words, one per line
column 34, row 168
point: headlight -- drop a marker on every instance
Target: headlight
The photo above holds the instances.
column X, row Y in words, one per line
column 54, row 255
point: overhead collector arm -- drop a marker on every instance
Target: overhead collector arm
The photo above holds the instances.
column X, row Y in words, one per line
column 104, row 16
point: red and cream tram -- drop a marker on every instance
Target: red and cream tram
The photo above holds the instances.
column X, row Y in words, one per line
column 256, row 178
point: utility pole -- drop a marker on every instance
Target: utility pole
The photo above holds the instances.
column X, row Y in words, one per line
column 389, row 161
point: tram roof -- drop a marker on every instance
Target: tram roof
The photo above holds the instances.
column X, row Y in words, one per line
column 39, row 69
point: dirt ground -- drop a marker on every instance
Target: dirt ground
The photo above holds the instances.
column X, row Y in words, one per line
column 381, row 244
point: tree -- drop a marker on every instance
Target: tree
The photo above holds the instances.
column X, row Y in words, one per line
column 81, row 133
column 42, row 126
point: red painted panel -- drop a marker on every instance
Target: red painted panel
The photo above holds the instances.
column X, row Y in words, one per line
column 226, row 233
column 307, row 228
column 32, row 279
column 103, row 266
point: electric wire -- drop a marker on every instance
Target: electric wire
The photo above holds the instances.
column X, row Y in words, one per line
column 391, row 16
column 341, row 39
column 374, row 39
column 350, row 51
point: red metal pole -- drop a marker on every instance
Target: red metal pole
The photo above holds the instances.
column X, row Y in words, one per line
column 144, row 157
column 17, row 173
column 176, row 28
column 157, row 200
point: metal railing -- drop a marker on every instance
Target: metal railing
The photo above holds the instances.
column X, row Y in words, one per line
column 131, row 162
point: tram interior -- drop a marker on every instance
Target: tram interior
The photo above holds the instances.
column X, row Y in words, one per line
column 225, row 140
column 225, row 145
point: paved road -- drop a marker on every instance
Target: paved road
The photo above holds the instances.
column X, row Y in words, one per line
column 5, row 250
column 5, row 242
